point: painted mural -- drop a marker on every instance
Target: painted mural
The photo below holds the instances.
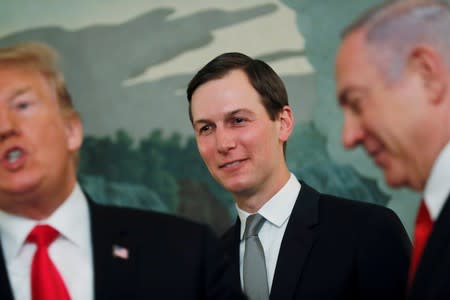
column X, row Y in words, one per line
column 127, row 64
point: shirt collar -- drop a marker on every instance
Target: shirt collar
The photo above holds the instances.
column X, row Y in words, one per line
column 71, row 219
column 278, row 209
column 437, row 188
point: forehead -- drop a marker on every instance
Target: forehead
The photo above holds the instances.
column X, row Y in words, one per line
column 221, row 96
column 16, row 77
column 354, row 66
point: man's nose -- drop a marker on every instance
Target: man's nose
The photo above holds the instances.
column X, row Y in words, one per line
column 352, row 132
column 7, row 125
column 225, row 140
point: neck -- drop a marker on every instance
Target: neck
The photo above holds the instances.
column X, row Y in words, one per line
column 433, row 144
column 38, row 204
column 252, row 201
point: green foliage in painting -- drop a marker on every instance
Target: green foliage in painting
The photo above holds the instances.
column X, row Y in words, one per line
column 157, row 163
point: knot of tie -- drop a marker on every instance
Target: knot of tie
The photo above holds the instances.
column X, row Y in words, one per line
column 253, row 225
column 42, row 235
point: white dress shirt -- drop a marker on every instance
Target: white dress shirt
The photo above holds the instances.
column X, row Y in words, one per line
column 437, row 188
column 276, row 211
column 71, row 252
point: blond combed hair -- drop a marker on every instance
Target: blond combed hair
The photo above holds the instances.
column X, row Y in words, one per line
column 39, row 57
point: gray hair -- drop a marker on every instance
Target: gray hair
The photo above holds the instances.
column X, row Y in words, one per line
column 394, row 28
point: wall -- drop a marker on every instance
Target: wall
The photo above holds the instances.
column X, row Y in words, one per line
column 127, row 64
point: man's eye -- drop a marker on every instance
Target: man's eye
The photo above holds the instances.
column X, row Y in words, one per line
column 238, row 120
column 204, row 129
column 22, row 105
column 355, row 106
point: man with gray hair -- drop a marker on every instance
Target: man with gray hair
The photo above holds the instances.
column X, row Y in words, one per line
column 393, row 85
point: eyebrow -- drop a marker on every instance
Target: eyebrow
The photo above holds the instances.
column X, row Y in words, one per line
column 227, row 115
column 343, row 96
column 18, row 92
column 236, row 111
column 200, row 122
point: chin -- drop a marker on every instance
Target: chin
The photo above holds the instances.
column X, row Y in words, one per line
column 237, row 187
column 396, row 181
column 21, row 188
column 19, row 182
column 394, row 184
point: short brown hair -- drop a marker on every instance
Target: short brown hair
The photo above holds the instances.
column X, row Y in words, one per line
column 260, row 75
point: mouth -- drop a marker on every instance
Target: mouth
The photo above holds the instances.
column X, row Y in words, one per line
column 13, row 158
column 232, row 164
column 13, row 155
column 376, row 155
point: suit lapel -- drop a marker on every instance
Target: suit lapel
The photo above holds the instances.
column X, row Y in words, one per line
column 114, row 270
column 113, row 275
column 5, row 287
column 231, row 241
column 296, row 244
column 436, row 248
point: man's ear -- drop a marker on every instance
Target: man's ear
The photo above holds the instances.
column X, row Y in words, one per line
column 430, row 66
column 287, row 121
column 74, row 131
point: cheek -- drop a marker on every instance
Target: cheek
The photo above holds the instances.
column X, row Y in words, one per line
column 249, row 143
column 376, row 120
column 256, row 135
column 264, row 147
column 56, row 135
column 205, row 147
column 52, row 136
column 390, row 128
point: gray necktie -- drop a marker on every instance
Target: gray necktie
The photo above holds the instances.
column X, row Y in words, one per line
column 255, row 274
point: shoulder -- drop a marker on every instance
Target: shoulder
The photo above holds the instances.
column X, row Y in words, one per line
column 149, row 222
column 326, row 201
column 359, row 210
column 365, row 221
column 338, row 210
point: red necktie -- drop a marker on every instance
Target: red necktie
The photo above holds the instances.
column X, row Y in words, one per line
column 421, row 233
column 46, row 282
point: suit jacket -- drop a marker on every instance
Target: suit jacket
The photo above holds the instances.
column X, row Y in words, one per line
column 169, row 258
column 335, row 248
column 432, row 278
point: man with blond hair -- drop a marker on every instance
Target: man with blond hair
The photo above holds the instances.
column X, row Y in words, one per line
column 393, row 85
column 56, row 243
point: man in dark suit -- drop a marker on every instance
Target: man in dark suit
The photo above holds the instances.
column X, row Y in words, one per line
column 393, row 85
column 290, row 241
column 58, row 244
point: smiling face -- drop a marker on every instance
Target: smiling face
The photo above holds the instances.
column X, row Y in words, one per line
column 37, row 144
column 241, row 146
column 389, row 119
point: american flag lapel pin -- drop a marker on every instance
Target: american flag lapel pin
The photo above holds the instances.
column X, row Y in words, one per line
column 120, row 252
